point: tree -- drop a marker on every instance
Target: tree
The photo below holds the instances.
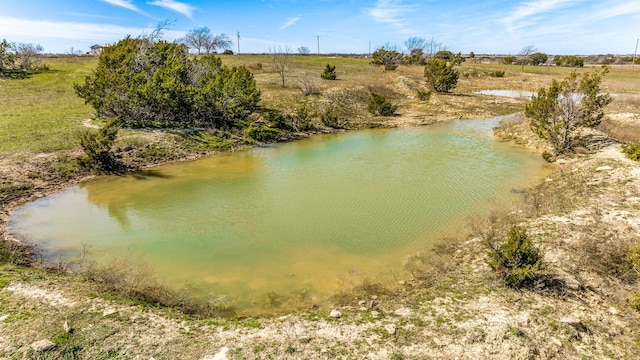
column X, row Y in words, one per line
column 431, row 47
column 198, row 38
column 538, row 58
column 203, row 40
column 388, row 57
column 440, row 75
column 303, row 50
column 7, row 59
column 523, row 55
column 155, row 84
column 97, row 145
column 329, row 73
column 556, row 113
column 281, row 60
column 415, row 43
column 27, row 54
column 568, row 60
column 221, row 41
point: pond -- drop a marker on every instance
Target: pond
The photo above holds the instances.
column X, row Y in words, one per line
column 288, row 220
column 506, row 93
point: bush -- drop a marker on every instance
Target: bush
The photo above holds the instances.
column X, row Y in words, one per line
column 97, row 146
column 227, row 52
column 329, row 73
column 155, row 84
column 558, row 112
column 498, row 73
column 516, row 260
column 424, row 95
column 441, row 76
column 379, row 105
column 568, row 60
column 389, row 58
column 508, row 60
column 309, row 85
column 632, row 151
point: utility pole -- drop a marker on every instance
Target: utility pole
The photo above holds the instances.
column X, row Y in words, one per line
column 238, row 42
column 635, row 53
column 318, row 44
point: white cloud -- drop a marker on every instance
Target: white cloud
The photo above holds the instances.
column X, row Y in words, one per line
column 392, row 12
column 125, row 4
column 289, row 23
column 527, row 10
column 627, row 8
column 179, row 7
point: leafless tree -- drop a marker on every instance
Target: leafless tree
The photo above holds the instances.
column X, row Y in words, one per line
column 415, row 43
column 523, row 55
column 203, row 40
column 27, row 54
column 281, row 61
column 221, row 41
column 198, row 38
column 303, row 50
column 159, row 31
column 432, row 46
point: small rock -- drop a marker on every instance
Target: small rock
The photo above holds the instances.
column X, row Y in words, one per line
column 403, row 312
column 362, row 302
column 561, row 161
column 604, row 168
column 391, row 328
column 374, row 297
column 574, row 323
column 555, row 341
column 43, row 345
column 613, row 311
column 67, row 327
column 108, row 312
column 402, row 282
column 4, row 317
column 548, row 179
column 362, row 308
column 375, row 314
column 335, row 314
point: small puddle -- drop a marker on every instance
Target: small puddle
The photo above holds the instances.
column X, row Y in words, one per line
column 506, row 93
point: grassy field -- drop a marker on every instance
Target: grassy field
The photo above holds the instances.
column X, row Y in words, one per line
column 42, row 113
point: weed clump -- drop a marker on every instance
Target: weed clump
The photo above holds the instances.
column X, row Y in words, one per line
column 517, row 261
column 632, row 151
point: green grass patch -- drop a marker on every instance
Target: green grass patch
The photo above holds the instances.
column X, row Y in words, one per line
column 42, row 112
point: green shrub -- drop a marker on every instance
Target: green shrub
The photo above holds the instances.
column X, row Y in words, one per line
column 379, row 105
column 97, row 146
column 329, row 73
column 632, row 151
column 330, row 119
column 440, row 75
column 634, row 301
column 424, row 95
column 516, row 261
column 156, row 84
column 547, row 156
column 227, row 52
column 509, row 60
column 498, row 73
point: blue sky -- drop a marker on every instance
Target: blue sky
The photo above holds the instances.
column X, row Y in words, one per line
column 344, row 26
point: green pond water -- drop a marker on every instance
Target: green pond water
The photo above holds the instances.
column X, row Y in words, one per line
column 290, row 221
